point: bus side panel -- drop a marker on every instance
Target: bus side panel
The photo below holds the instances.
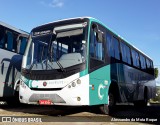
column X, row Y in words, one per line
column 120, row 74
column 6, row 74
column 99, row 83
column 132, row 82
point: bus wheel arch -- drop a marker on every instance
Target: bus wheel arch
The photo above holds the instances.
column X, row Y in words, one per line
column 113, row 88
column 16, row 86
column 113, row 91
column 14, row 101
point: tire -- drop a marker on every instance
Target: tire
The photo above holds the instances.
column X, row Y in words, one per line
column 13, row 101
column 142, row 103
column 108, row 108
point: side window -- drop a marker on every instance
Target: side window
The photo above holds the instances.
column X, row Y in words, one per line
column 2, row 37
column 29, row 60
column 109, row 44
column 126, row 56
column 11, row 41
column 112, row 47
column 96, row 49
column 22, row 45
column 143, row 62
column 151, row 64
column 135, row 58
column 14, row 49
column 99, row 51
column 148, row 63
column 9, row 44
column 116, row 48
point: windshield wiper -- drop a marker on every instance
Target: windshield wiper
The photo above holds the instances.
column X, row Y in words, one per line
column 58, row 63
column 29, row 71
column 60, row 66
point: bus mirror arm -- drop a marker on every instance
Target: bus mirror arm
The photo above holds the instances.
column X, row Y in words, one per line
column 2, row 68
column 2, row 62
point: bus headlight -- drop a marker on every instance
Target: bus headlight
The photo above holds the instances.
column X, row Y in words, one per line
column 78, row 98
column 73, row 84
column 69, row 86
column 78, row 81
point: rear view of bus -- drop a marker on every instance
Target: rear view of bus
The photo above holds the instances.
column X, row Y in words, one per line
column 81, row 62
column 12, row 46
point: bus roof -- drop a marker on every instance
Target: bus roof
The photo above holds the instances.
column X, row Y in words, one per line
column 93, row 19
column 13, row 28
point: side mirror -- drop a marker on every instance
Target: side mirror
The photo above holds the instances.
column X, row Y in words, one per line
column 99, row 33
column 99, row 36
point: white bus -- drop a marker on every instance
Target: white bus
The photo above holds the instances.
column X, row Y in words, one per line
column 12, row 46
column 82, row 62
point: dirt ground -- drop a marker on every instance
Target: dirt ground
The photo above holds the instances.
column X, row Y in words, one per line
column 47, row 115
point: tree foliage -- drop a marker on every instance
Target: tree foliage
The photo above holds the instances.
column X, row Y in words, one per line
column 156, row 72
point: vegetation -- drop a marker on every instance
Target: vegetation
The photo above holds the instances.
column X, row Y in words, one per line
column 157, row 98
column 156, row 72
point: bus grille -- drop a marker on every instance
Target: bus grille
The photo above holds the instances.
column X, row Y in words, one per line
column 53, row 97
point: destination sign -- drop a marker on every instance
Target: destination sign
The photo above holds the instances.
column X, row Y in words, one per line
column 40, row 33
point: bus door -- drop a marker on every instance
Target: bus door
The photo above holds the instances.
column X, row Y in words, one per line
column 97, row 78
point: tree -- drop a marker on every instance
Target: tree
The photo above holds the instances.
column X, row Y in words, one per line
column 156, row 72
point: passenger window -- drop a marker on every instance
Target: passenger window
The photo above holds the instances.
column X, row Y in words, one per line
column 9, row 44
column 151, row 64
column 116, row 48
column 109, row 45
column 2, row 37
column 112, row 47
column 135, row 58
column 143, row 63
column 23, row 44
column 126, row 56
column 148, row 63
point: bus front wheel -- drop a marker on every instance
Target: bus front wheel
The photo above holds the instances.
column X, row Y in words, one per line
column 108, row 108
column 13, row 101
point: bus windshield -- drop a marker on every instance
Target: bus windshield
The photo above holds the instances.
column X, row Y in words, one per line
column 57, row 50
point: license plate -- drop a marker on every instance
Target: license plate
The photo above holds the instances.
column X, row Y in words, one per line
column 45, row 102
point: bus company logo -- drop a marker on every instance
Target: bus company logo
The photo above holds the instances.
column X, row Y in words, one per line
column 44, row 83
column 100, row 95
column 56, row 82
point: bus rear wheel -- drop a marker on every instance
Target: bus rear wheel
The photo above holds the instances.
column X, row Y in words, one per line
column 108, row 108
column 142, row 103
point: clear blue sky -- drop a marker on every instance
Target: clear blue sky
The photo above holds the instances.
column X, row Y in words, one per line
column 138, row 21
